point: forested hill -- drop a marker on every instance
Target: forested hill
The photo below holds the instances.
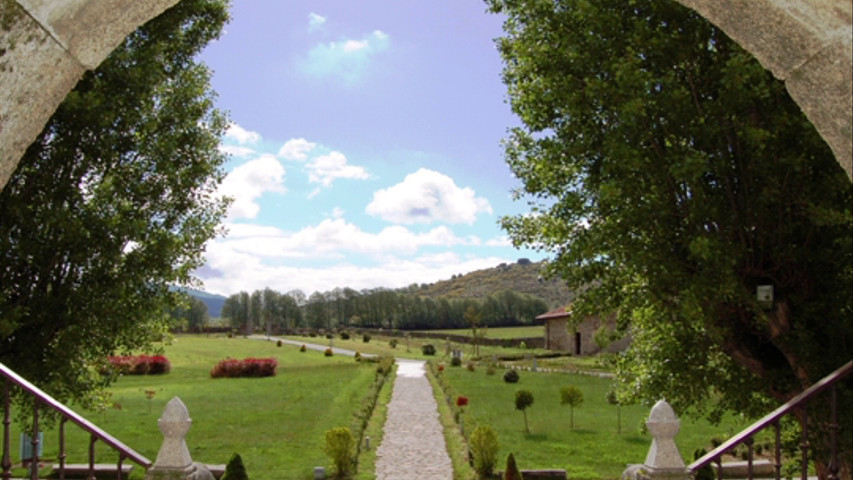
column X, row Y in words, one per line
column 521, row 277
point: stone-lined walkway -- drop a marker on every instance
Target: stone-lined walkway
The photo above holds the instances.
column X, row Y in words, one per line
column 413, row 442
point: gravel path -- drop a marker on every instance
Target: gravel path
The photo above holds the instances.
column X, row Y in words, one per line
column 412, row 446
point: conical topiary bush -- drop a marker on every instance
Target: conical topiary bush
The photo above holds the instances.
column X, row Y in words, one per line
column 235, row 469
column 512, row 472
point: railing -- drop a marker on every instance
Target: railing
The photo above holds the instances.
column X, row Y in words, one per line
column 42, row 399
column 773, row 420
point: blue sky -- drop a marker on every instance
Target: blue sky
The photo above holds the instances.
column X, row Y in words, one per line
column 365, row 145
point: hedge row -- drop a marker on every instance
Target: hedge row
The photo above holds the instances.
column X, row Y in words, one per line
column 248, row 367
column 140, row 364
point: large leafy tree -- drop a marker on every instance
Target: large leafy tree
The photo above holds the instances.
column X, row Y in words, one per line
column 112, row 204
column 669, row 175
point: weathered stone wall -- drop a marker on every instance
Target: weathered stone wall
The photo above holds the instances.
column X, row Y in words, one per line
column 46, row 45
column 557, row 335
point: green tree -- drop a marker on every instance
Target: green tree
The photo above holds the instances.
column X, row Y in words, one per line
column 192, row 313
column 572, row 396
column 111, row 205
column 523, row 400
column 670, row 175
column 484, row 450
column 473, row 317
column 511, row 472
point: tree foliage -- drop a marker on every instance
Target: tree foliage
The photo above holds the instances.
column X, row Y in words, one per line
column 111, row 204
column 669, row 175
column 523, row 400
column 572, row 396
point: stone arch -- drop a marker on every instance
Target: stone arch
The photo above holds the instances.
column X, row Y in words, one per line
column 46, row 46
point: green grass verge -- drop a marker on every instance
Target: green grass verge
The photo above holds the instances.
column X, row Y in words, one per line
column 276, row 424
column 455, row 443
column 593, row 449
column 367, row 459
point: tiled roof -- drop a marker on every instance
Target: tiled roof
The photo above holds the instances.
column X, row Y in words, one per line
column 562, row 312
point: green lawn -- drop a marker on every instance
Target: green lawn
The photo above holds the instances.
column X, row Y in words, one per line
column 593, row 450
column 497, row 332
column 276, row 424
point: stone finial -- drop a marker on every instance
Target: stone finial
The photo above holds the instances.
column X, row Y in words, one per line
column 663, row 460
column 174, row 461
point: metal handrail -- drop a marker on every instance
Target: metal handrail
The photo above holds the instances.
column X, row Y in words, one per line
column 771, row 419
column 96, row 433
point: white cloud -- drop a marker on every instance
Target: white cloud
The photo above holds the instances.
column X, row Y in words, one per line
column 324, row 169
column 233, row 264
column 502, row 241
column 346, row 59
column 241, row 135
column 315, row 21
column 249, row 181
column 237, row 151
column 296, row 149
column 427, row 196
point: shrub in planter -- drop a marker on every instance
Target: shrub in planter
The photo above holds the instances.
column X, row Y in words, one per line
column 511, row 376
column 456, row 362
column 428, row 349
column 328, row 352
column 484, row 450
column 365, row 338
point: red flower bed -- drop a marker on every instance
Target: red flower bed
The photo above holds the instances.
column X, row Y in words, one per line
column 140, row 364
column 249, row 367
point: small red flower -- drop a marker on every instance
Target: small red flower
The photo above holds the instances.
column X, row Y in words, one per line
column 441, row 368
column 461, row 401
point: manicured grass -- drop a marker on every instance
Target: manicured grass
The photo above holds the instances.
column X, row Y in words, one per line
column 276, row 424
column 497, row 332
column 592, row 450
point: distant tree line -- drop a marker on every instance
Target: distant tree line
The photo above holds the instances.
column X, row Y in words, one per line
column 404, row 309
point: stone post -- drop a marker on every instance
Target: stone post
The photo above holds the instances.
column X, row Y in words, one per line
column 173, row 461
column 663, row 461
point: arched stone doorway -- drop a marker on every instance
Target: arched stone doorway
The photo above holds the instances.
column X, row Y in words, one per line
column 45, row 46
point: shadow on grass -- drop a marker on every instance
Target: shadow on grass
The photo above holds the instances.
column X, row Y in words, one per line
column 536, row 437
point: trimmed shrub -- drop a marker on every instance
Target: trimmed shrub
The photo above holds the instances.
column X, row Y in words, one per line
column 484, row 450
column 392, row 343
column 471, row 366
column 511, row 472
column 249, row 367
column 357, row 356
column 428, row 349
column 303, row 348
column 278, row 343
column 340, row 447
column 456, row 362
column 511, row 376
column 365, row 338
column 344, row 335
column 235, row 469
column 140, row 364
column 523, row 400
column 328, row 352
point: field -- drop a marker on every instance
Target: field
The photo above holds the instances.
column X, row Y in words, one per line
column 498, row 332
column 276, row 424
column 593, row 449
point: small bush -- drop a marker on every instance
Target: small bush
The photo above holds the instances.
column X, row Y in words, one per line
column 328, row 352
column 484, row 450
column 455, row 362
column 140, row 364
column 511, row 376
column 393, row 343
column 511, row 472
column 471, row 366
column 491, row 370
column 329, row 336
column 523, row 400
column 235, row 469
column 278, row 343
column 428, row 349
column 357, row 356
column 303, row 348
column 344, row 335
column 386, row 364
column 340, row 447
column 249, row 367
column 365, row 338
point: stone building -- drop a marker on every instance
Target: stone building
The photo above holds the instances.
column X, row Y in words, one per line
column 561, row 336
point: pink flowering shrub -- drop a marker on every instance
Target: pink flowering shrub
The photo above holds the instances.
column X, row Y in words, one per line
column 140, row 364
column 248, row 367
